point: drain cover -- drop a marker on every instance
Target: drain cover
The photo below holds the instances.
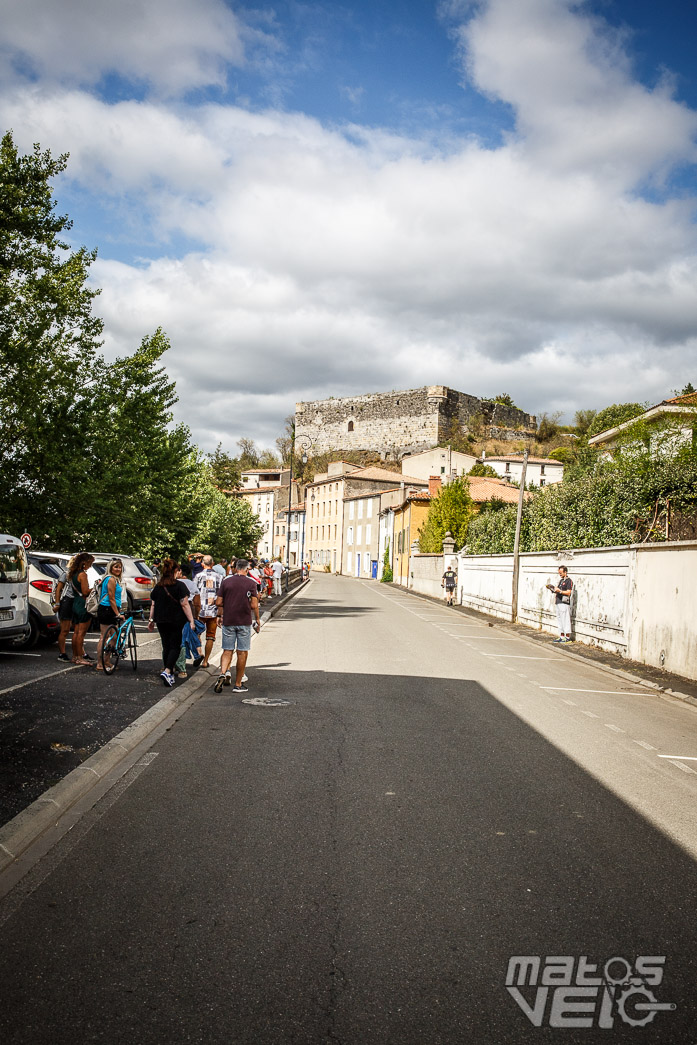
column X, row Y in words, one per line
column 267, row 702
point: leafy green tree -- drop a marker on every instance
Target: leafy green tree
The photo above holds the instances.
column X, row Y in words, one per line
column 225, row 470
column 505, row 399
column 548, row 426
column 612, row 416
column 583, row 420
column 49, row 340
column 387, row 576
column 451, row 510
column 484, row 470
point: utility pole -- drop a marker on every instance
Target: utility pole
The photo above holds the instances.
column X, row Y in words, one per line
column 516, row 546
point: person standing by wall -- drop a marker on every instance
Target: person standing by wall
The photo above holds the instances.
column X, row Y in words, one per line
column 237, row 601
column 169, row 610
column 562, row 604
column 277, row 567
column 449, row 583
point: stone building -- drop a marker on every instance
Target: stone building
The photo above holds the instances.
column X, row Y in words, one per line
column 395, row 423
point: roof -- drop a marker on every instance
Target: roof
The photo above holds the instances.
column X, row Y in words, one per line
column 485, row 488
column 385, row 475
column 688, row 400
column 263, row 471
column 421, row 495
column 366, row 493
column 519, row 458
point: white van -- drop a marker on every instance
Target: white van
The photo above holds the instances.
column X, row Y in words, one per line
column 14, row 589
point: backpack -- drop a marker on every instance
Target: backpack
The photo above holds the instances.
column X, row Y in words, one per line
column 92, row 600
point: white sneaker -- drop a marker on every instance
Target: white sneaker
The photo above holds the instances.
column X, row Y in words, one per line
column 244, row 679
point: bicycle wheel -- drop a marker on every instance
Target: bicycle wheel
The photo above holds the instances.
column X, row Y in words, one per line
column 132, row 646
column 110, row 657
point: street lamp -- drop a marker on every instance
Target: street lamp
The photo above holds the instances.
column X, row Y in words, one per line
column 305, row 444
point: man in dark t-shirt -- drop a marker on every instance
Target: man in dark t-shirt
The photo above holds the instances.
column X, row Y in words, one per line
column 237, row 601
column 448, row 581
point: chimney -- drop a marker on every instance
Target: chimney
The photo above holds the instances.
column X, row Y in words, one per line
column 434, row 485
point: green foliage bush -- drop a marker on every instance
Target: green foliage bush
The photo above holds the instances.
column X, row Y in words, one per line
column 451, row 510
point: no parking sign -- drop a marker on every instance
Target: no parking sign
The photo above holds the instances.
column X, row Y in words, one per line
column 26, row 540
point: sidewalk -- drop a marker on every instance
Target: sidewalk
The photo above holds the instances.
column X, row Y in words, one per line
column 93, row 777
column 643, row 674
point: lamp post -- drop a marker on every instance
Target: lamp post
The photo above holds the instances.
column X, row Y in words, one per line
column 305, row 443
column 516, row 546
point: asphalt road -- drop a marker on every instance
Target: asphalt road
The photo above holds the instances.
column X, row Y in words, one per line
column 54, row 715
column 359, row 864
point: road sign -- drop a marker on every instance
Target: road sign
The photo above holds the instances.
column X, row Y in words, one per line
column 26, row 540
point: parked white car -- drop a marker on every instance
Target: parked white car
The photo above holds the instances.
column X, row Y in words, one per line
column 14, row 589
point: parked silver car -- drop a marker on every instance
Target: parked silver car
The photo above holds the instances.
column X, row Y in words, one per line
column 44, row 573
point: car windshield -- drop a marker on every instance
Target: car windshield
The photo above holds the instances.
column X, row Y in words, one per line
column 13, row 564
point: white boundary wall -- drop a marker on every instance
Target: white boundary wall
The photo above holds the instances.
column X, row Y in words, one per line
column 637, row 600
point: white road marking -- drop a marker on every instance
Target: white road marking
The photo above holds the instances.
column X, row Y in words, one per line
column 572, row 703
column 687, row 758
column 591, row 714
column 517, row 656
column 612, row 692
column 648, row 747
column 681, row 765
column 9, row 653
column 615, row 729
column 38, row 678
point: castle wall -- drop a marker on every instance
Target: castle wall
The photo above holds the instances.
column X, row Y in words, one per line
column 395, row 423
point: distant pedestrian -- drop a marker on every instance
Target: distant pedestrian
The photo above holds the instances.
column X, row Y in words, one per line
column 156, row 564
column 196, row 562
column 109, row 607
column 278, row 571
column 77, row 576
column 208, row 584
column 169, row 610
column 449, row 583
column 220, row 566
column 562, row 603
column 237, row 602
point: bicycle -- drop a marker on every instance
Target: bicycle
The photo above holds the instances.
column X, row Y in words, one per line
column 118, row 643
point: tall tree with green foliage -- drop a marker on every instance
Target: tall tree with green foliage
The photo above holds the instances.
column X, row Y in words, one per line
column 451, row 510
column 49, row 338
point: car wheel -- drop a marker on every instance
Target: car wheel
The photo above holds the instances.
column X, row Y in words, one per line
column 33, row 636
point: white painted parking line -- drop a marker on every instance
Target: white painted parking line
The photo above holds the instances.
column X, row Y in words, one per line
column 609, row 692
column 615, row 729
column 38, row 678
column 681, row 765
column 686, row 758
column 9, row 653
column 647, row 747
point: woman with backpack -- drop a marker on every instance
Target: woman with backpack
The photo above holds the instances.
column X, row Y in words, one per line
column 169, row 610
column 109, row 606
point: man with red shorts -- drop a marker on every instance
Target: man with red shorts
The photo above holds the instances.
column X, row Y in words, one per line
column 208, row 582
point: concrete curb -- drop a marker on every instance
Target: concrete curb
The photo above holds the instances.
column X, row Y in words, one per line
column 626, row 676
column 27, row 827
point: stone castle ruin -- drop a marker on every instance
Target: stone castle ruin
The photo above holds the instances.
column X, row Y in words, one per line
column 393, row 424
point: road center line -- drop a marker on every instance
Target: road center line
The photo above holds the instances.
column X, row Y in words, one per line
column 517, row 656
column 681, row 765
column 648, row 747
column 615, row 729
column 686, row 758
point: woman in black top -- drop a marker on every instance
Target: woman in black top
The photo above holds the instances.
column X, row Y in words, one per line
column 170, row 609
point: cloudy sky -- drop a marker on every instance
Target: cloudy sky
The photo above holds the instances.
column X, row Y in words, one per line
column 318, row 199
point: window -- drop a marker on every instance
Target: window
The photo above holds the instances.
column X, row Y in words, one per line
column 359, row 534
column 360, row 509
column 508, row 466
column 283, row 531
column 268, row 506
column 542, row 469
column 542, row 482
column 334, row 531
column 322, row 533
column 351, row 503
column 349, row 535
column 442, row 469
column 368, row 531
column 350, row 424
column 369, row 509
column 277, row 530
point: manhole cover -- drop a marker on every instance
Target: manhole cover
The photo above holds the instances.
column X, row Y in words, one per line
column 267, row 702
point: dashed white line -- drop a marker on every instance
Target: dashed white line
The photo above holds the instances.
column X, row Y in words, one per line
column 590, row 714
column 615, row 729
column 681, row 765
column 613, row 692
column 571, row 703
column 648, row 747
